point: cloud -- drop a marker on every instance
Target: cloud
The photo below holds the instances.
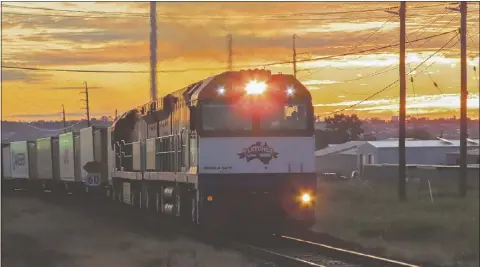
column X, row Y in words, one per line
column 10, row 75
column 422, row 102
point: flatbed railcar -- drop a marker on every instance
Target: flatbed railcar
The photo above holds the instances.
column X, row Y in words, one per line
column 233, row 150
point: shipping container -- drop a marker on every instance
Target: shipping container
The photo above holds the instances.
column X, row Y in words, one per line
column 100, row 153
column 47, row 158
column 66, row 157
column 86, row 151
column 6, row 163
column 111, row 155
column 78, row 168
column 32, row 159
column 19, row 160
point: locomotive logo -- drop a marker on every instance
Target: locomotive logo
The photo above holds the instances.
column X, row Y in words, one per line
column 264, row 153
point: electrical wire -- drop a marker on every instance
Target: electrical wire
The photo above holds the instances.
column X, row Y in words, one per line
column 390, row 85
column 54, row 130
column 245, row 66
column 146, row 15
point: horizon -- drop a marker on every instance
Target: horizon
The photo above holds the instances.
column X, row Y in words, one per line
column 60, row 36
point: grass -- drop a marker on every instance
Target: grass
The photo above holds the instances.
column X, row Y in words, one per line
column 445, row 232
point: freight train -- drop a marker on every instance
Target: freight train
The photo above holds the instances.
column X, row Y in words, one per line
column 235, row 149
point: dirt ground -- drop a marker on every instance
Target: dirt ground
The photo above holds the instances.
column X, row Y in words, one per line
column 39, row 233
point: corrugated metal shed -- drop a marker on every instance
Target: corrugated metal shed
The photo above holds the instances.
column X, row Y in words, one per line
column 339, row 148
column 421, row 143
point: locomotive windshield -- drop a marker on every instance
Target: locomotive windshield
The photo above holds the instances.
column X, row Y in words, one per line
column 235, row 119
column 220, row 116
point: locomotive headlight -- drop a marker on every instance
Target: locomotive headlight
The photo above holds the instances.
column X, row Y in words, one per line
column 255, row 87
column 221, row 90
column 306, row 198
column 290, row 91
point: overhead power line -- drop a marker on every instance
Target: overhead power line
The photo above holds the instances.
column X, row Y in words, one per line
column 390, row 85
column 221, row 68
column 146, row 15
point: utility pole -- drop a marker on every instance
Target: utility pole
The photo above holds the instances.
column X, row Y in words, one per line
column 116, row 114
column 402, row 185
column 294, row 57
column 463, row 99
column 230, row 52
column 63, row 118
column 153, row 51
column 87, row 103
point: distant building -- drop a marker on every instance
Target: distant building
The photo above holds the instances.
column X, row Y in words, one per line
column 473, row 157
column 428, row 152
column 338, row 158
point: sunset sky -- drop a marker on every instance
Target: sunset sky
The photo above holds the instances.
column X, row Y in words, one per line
column 192, row 37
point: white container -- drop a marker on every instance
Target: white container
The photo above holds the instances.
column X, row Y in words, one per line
column 6, row 166
column 19, row 160
column 66, row 157
column 86, row 151
column 44, row 159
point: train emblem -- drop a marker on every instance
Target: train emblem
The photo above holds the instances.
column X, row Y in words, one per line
column 264, row 153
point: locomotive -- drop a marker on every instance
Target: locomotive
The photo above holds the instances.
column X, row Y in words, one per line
column 233, row 150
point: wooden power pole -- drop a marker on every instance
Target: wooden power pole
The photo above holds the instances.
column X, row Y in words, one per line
column 230, row 52
column 463, row 99
column 153, row 51
column 402, row 186
column 294, row 56
column 87, row 104
column 63, row 119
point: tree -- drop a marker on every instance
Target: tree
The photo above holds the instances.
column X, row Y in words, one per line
column 419, row 134
column 344, row 128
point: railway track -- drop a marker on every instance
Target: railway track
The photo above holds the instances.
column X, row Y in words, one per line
column 291, row 251
column 270, row 250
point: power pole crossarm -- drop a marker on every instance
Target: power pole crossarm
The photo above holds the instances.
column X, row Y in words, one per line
column 402, row 190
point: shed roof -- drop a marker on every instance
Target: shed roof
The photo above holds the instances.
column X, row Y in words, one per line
column 339, row 148
column 475, row 151
column 421, row 143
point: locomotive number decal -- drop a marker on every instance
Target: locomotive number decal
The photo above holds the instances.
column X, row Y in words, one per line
column 264, row 153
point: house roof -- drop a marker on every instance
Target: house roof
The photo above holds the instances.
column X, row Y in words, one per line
column 339, row 148
column 422, row 143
